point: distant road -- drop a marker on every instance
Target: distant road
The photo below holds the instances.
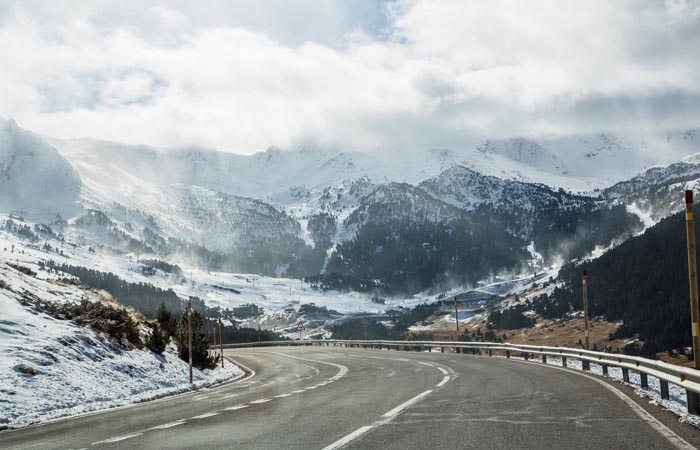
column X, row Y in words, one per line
column 326, row 397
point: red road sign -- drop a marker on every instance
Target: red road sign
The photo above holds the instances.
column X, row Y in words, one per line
column 300, row 327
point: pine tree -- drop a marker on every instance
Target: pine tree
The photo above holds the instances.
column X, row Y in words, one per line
column 200, row 342
column 167, row 322
column 157, row 342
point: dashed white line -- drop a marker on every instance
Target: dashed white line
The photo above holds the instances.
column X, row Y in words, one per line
column 425, row 364
column 206, row 415
column 354, row 435
column 117, row 439
column 168, row 425
column 261, row 400
column 235, row 408
column 406, row 404
column 443, row 382
column 282, row 395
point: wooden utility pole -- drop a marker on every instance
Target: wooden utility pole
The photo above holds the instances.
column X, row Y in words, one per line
column 457, row 349
column 365, row 320
column 213, row 342
column 221, row 342
column 457, row 318
column 586, row 365
column 693, row 398
column 585, row 309
column 189, row 335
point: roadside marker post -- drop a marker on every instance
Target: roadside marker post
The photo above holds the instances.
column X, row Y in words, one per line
column 586, row 364
column 221, row 342
column 189, row 336
column 693, row 398
column 457, row 323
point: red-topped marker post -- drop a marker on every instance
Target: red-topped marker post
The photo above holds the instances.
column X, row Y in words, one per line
column 693, row 278
column 189, row 336
column 693, row 398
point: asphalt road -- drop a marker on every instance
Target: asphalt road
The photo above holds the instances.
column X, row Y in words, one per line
column 326, row 397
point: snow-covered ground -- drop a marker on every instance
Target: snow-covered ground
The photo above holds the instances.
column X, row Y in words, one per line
column 53, row 368
column 271, row 294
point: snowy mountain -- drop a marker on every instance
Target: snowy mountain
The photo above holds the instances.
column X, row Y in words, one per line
column 344, row 215
column 35, row 180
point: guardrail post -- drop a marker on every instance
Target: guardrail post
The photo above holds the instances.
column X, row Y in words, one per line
column 430, row 349
column 508, row 354
column 605, row 369
column 563, row 361
column 544, row 359
column 693, row 402
column 442, row 349
column 664, row 390
column 527, row 356
column 644, row 380
column 490, row 352
column 626, row 375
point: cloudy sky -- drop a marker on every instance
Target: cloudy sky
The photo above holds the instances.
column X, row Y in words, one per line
column 354, row 74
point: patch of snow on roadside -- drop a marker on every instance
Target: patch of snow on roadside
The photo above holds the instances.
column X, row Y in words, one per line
column 76, row 369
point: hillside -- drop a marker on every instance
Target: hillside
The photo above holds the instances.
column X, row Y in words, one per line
column 643, row 282
column 41, row 349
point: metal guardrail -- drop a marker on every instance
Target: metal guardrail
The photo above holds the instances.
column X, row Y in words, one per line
column 685, row 377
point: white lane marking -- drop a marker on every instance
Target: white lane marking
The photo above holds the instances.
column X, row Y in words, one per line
column 298, row 392
column 262, row 400
column 282, row 395
column 310, row 387
column 206, row 415
column 444, row 372
column 652, row 421
column 443, row 382
column 117, row 439
column 387, row 418
column 406, row 404
column 225, row 397
column 235, row 408
column 168, row 425
column 425, row 364
column 354, row 435
column 400, row 359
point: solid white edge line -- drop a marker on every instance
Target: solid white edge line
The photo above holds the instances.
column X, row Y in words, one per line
column 344, row 440
column 643, row 414
column 406, row 404
column 166, row 398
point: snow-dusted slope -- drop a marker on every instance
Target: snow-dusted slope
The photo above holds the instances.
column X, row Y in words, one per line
column 34, row 179
column 53, row 368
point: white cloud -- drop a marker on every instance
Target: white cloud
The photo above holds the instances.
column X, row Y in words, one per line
column 428, row 74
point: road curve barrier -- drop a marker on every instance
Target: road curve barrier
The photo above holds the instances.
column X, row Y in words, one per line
column 685, row 377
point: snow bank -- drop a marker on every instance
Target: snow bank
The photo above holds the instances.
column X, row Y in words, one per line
column 53, row 368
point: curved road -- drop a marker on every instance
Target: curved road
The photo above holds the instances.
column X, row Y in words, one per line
column 327, row 397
